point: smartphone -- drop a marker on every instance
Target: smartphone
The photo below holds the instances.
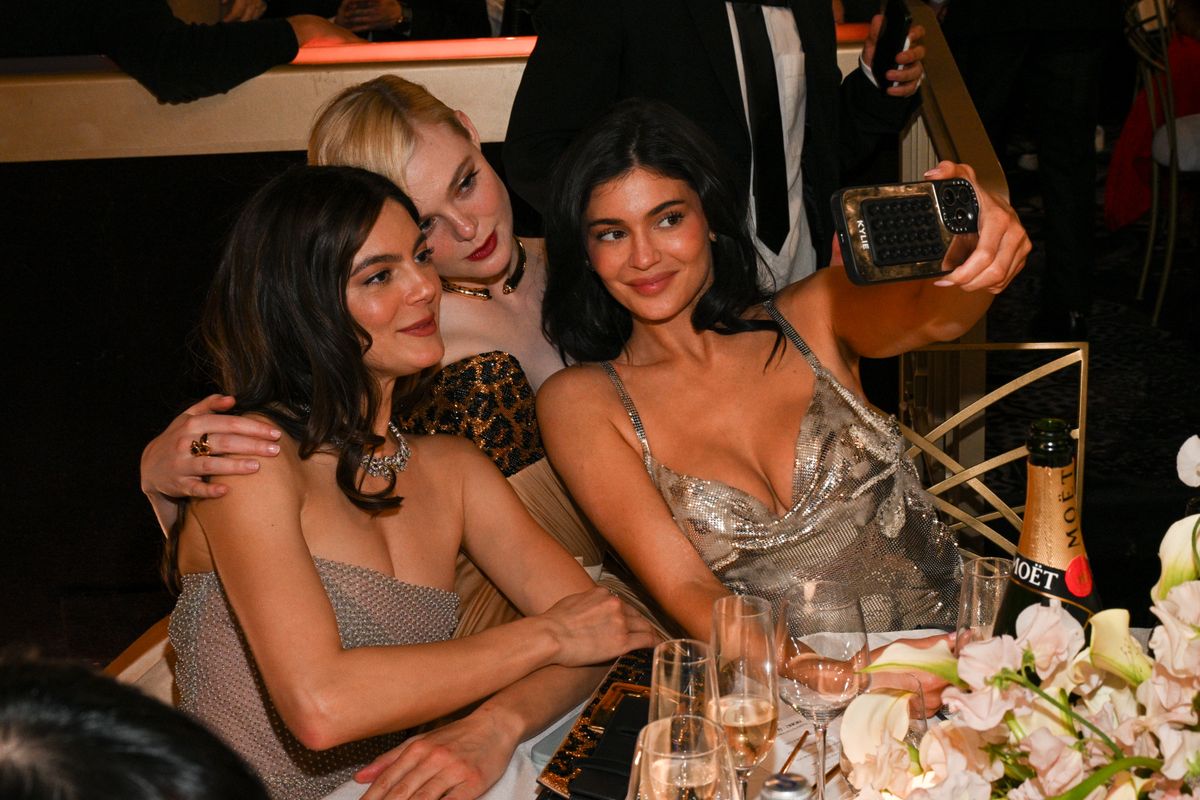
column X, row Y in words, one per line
column 903, row 231
column 893, row 40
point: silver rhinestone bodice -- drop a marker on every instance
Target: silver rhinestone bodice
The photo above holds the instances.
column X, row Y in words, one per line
column 858, row 514
column 220, row 684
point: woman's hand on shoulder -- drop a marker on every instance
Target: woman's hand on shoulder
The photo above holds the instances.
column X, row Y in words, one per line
column 596, row 626
column 170, row 468
column 1002, row 246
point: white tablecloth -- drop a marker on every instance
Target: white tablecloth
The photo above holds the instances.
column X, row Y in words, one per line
column 519, row 781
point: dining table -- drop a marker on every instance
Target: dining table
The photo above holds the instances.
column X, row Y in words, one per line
column 519, row 781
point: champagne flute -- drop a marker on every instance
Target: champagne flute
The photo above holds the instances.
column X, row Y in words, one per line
column 743, row 646
column 985, row 581
column 683, row 757
column 822, row 645
column 683, row 680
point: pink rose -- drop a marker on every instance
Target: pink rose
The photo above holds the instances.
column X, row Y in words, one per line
column 982, row 710
column 959, row 786
column 1176, row 643
column 1180, row 752
column 1168, row 698
column 1059, row 766
column 950, row 747
column 979, row 661
column 888, row 767
column 1053, row 635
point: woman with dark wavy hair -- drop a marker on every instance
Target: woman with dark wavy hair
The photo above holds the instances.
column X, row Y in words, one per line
column 723, row 443
column 314, row 623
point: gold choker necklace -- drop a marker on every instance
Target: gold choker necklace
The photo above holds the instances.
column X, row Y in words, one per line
column 510, row 283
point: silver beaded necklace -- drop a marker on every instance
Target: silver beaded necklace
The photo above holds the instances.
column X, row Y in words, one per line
column 383, row 466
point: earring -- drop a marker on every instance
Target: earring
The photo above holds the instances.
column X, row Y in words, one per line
column 712, row 237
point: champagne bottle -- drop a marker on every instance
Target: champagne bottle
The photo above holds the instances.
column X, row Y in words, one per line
column 1051, row 561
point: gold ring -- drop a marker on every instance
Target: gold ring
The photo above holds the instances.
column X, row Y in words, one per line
column 200, row 446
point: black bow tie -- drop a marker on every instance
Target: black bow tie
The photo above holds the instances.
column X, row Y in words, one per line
column 779, row 3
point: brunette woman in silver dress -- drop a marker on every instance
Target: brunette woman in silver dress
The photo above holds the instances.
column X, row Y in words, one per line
column 717, row 437
column 313, row 627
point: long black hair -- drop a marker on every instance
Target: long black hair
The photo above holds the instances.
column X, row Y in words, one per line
column 579, row 316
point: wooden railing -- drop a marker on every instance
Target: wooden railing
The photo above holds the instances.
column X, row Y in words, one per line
column 91, row 110
column 55, row 109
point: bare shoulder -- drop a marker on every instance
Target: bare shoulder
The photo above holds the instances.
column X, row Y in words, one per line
column 447, row 463
column 578, row 389
column 809, row 297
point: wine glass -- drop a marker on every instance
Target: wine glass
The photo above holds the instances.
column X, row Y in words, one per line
column 822, row 645
column 682, row 757
column 743, row 647
column 985, row 581
column 683, row 680
column 906, row 686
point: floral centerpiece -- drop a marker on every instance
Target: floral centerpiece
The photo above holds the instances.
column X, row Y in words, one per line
column 1040, row 715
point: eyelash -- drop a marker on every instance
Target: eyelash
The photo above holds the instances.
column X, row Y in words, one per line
column 468, row 183
column 673, row 218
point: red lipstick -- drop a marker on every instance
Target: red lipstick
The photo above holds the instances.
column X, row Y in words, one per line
column 485, row 249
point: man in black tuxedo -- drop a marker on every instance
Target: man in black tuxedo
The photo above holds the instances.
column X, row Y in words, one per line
column 695, row 54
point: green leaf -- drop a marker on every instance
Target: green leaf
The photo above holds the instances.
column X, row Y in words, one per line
column 1102, row 776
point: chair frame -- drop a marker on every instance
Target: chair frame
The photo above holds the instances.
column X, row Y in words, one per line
column 938, row 457
column 1148, row 32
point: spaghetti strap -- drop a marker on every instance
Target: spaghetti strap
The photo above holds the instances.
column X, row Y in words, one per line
column 792, row 335
column 638, row 429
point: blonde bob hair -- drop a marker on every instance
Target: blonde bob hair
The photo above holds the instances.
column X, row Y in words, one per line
column 372, row 126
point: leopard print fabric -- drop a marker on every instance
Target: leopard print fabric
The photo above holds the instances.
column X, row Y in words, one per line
column 486, row 398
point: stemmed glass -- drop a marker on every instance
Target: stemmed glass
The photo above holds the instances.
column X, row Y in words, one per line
column 743, row 646
column 682, row 758
column 985, row 581
column 822, row 645
column 683, row 680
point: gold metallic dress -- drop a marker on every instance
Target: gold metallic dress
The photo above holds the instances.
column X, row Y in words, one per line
column 858, row 514
column 221, row 686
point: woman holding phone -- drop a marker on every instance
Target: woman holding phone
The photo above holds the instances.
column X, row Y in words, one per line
column 716, row 436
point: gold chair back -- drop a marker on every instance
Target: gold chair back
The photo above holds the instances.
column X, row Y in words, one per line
column 148, row 664
column 948, row 444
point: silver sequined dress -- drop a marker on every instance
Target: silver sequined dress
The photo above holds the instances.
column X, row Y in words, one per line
column 858, row 514
column 220, row 684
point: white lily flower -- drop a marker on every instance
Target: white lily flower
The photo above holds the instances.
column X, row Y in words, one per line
column 1176, row 554
column 1187, row 463
column 1114, row 650
column 900, row 657
column 870, row 720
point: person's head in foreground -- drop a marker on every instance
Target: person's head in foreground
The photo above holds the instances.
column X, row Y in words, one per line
column 67, row 733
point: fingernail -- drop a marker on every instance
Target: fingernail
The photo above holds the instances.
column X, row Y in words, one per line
column 929, row 172
column 943, row 283
column 275, row 434
column 273, row 449
column 252, row 466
